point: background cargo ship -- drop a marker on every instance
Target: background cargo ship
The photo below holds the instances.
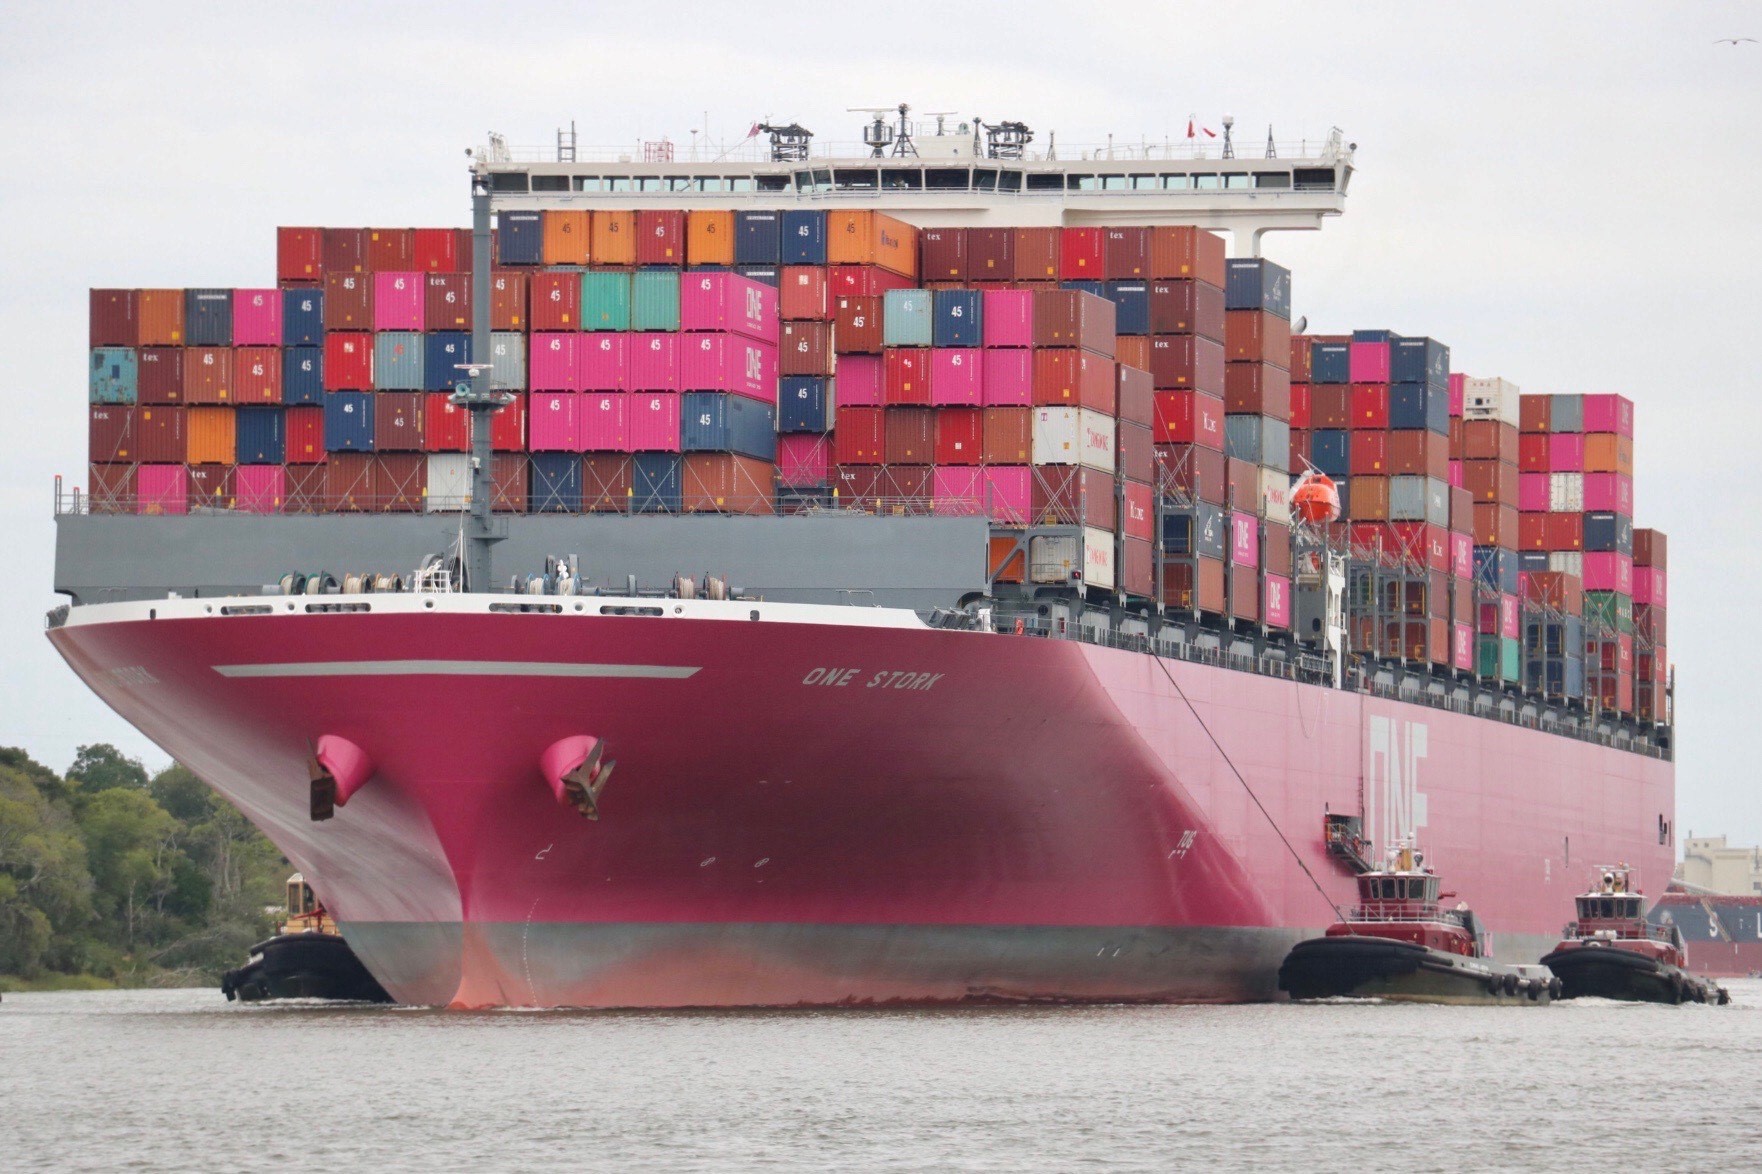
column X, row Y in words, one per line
column 973, row 434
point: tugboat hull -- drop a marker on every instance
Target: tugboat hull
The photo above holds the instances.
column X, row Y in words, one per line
column 1613, row 973
column 303, row 966
column 1360, row 966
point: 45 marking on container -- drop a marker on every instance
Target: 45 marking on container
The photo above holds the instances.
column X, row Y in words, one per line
column 842, row 678
column 132, row 675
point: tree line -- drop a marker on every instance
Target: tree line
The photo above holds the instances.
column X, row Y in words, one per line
column 113, row 875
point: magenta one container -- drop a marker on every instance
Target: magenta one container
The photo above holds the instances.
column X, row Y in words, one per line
column 1532, row 493
column 1462, row 646
column 162, row 489
column 1566, row 452
column 602, row 362
column 1008, row 378
column 553, row 421
column 957, row 491
column 551, row 363
column 1613, row 492
column 259, row 489
column 654, row 421
column 1603, row 413
column 1462, row 555
column 651, row 362
column 1458, row 476
column 1608, row 571
column 603, row 422
column 956, row 377
column 858, row 381
column 804, row 460
column 730, row 303
column 1649, row 586
column 1244, row 540
column 1008, row 318
column 1368, row 362
column 1275, row 600
column 256, row 317
column 398, row 301
column 728, row 362
column 1458, row 391
column 1009, row 492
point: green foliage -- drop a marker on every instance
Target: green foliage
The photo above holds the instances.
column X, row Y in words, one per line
column 111, row 876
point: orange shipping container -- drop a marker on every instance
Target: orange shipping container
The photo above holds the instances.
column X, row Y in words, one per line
column 507, row 305
column 210, row 435
column 208, row 375
column 872, row 238
column 1036, row 253
column 1180, row 251
column 614, row 238
column 727, row 483
column 565, row 237
column 160, row 315
column 709, row 238
column 257, row 374
column 1606, row 452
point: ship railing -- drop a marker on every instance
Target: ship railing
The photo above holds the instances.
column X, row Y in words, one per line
column 686, row 156
column 1620, row 933
column 1410, row 911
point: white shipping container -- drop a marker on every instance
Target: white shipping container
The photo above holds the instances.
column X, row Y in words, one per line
column 1489, row 399
column 1275, row 496
column 1566, row 493
column 1407, row 499
column 449, row 481
column 1074, row 436
column 1054, row 558
column 1570, row 562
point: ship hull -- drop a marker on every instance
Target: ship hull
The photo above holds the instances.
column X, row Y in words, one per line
column 835, row 805
column 1614, row 973
column 303, row 966
column 1368, row 967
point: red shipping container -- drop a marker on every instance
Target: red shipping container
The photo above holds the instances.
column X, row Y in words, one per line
column 1497, row 525
column 1136, row 395
column 111, row 489
column 507, row 428
column 208, row 375
column 1419, row 453
column 397, row 421
column 1256, row 336
column 507, row 301
column 1140, row 516
column 1072, row 495
column 1037, row 252
column 1534, row 412
column 1299, row 405
column 1300, row 364
column 911, row 435
column 803, row 293
column 348, row 362
column 1194, row 470
column 1258, row 389
column 960, row 436
column 861, row 437
column 1066, row 318
column 112, row 318
column 905, row 378
column 110, row 435
column 445, row 428
column 304, row 429
column 856, row 326
column 257, row 374
column 1186, row 362
column 1566, row 532
column 1009, row 435
column 299, row 255
column 304, row 488
column 1189, row 417
column 806, row 349
column 605, row 483
column 864, row 281
column 400, row 482
column 158, row 435
column 349, row 483
column 160, row 378
column 990, row 254
column 436, row 250
column 1183, row 251
column 1369, row 454
column 345, row 250
column 942, row 254
column 1127, row 253
column 1068, row 377
column 1532, row 452
column 391, row 250
column 1370, row 406
column 1330, row 405
column 554, row 301
column 211, row 486
column 449, row 301
column 1651, row 549
column 1136, row 452
column 1187, row 307
column 348, row 301
column 660, row 237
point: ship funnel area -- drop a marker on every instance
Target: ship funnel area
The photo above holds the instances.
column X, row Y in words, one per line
column 338, row 768
column 576, row 769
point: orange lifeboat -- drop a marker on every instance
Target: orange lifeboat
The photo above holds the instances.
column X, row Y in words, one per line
column 1315, row 499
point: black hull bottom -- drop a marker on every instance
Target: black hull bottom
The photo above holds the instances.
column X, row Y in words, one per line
column 1613, row 973
column 303, row 966
column 1350, row 966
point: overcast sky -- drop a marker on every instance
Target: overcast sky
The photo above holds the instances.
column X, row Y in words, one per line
column 1570, row 195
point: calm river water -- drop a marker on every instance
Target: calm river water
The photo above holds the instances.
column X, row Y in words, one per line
column 182, row 1079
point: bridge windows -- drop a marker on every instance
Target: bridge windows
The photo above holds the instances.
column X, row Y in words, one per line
column 1009, row 181
column 589, row 183
column 550, row 183
column 1207, row 183
column 948, row 179
column 902, row 179
column 507, row 181
column 1236, row 182
column 985, row 179
column 856, row 179
column 1276, row 180
column 1313, row 179
column 1115, row 183
column 1039, row 181
column 1143, row 182
column 768, row 183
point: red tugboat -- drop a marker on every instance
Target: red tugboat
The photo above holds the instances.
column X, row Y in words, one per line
column 1398, row 944
column 1611, row 952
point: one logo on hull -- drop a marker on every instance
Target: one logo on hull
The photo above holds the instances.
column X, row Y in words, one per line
column 1395, row 807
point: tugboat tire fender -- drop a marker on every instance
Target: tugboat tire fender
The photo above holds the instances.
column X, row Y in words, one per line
column 1511, row 984
column 1555, row 986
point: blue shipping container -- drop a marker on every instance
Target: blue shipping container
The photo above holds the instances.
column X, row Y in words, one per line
column 804, row 404
column 1420, row 360
column 397, row 361
column 758, row 238
column 207, row 317
column 1607, row 532
column 115, row 375
column 519, row 238
column 444, row 352
column 556, row 483
column 905, row 318
column 957, row 317
column 1254, row 283
column 1413, row 406
column 1330, row 450
column 655, row 482
column 261, row 436
column 1098, row 288
column 804, row 237
column 348, row 421
column 1330, row 362
column 1374, row 336
column 763, row 274
column 302, row 317
column 1131, row 302
column 1497, row 569
column 1532, row 560
column 302, row 375
column 719, row 421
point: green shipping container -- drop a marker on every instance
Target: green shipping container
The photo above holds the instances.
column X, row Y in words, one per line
column 654, row 300
column 605, row 301
column 1498, row 658
column 1609, row 609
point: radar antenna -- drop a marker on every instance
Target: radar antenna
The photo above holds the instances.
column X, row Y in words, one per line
column 789, row 144
column 878, row 136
